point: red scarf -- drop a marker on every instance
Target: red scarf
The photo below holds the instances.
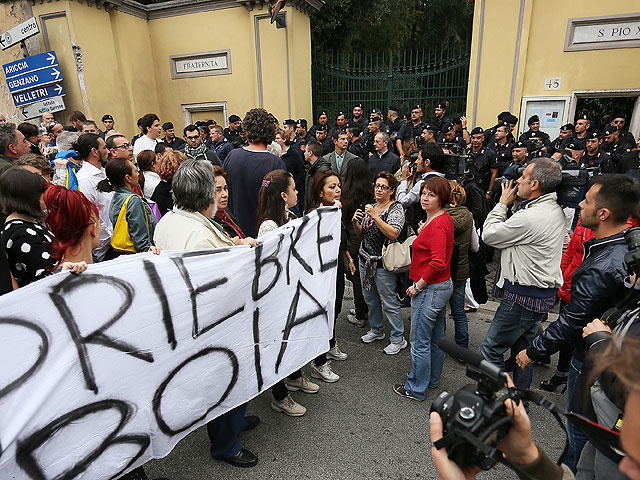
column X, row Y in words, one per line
column 226, row 218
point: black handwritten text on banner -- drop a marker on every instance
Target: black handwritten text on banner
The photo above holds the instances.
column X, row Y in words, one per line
column 105, row 370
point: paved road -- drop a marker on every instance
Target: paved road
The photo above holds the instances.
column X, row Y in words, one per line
column 355, row 428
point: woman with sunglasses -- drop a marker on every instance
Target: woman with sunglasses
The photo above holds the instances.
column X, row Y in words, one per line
column 378, row 225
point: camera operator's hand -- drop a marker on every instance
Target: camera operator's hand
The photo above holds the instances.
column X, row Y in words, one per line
column 518, row 445
column 447, row 470
column 357, row 216
column 406, row 171
column 523, row 359
column 509, row 192
column 593, row 327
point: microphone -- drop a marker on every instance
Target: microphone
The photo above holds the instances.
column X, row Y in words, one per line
column 471, row 358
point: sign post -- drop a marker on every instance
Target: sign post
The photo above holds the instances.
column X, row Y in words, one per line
column 19, row 33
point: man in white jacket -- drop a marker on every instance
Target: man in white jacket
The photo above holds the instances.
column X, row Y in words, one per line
column 529, row 275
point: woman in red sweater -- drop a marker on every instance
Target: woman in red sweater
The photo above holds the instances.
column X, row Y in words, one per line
column 431, row 290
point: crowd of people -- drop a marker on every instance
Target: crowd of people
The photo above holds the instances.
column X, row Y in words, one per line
column 75, row 194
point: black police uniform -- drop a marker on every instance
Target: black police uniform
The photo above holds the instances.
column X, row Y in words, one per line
column 361, row 124
column 299, row 143
column 458, row 140
column 599, row 159
column 233, row 137
column 409, row 131
column 359, row 149
column 328, row 146
column 440, row 123
column 482, row 159
column 312, row 131
column 573, row 138
column 394, row 131
column 528, row 135
column 176, row 144
column 616, row 150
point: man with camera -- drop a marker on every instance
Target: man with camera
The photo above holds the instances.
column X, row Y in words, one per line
column 535, row 133
column 531, row 244
column 596, row 285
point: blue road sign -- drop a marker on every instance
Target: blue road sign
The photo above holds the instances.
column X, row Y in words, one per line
column 37, row 94
column 31, row 80
column 30, row 64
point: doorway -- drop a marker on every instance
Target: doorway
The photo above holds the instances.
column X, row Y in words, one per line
column 600, row 109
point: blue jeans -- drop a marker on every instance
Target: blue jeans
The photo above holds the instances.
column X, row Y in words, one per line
column 577, row 439
column 513, row 328
column 381, row 297
column 427, row 329
column 456, row 302
column 223, row 432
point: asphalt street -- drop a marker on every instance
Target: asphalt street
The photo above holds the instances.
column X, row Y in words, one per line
column 357, row 427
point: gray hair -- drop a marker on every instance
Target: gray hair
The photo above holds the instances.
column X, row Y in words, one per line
column 7, row 136
column 384, row 136
column 194, row 185
column 65, row 140
column 548, row 174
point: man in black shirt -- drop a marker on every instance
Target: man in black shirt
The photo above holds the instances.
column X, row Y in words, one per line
column 301, row 139
column 232, row 132
column 323, row 119
column 429, row 133
column 565, row 132
column 450, row 140
column 482, row 157
column 341, row 122
column 409, row 132
column 594, row 156
column 490, row 132
column 441, row 116
column 383, row 160
column 579, row 133
column 535, row 133
column 613, row 145
column 322, row 136
column 501, row 149
column 355, row 142
column 373, row 129
column 358, row 119
column 618, row 120
column 170, row 137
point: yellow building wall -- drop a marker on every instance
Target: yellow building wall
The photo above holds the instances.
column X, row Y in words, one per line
column 541, row 54
column 127, row 70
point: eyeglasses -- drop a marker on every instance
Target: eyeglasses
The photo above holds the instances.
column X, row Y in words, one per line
column 124, row 145
column 377, row 186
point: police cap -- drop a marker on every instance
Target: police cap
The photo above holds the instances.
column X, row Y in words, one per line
column 107, row 117
column 167, row 126
column 447, row 128
column 574, row 146
column 234, row 119
column 533, row 119
column 289, row 121
column 322, row 128
column 609, row 129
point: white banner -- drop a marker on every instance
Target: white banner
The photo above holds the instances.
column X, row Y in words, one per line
column 108, row 369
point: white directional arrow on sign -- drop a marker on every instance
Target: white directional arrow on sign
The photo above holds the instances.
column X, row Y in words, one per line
column 51, row 58
column 58, row 88
column 56, row 73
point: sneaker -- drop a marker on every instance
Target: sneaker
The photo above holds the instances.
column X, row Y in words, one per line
column 394, row 348
column 335, row 354
column 371, row 336
column 352, row 311
column 289, row 406
column 400, row 390
column 324, row 372
column 358, row 322
column 301, row 384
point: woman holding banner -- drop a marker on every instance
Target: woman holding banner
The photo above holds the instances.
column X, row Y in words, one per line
column 326, row 192
column 277, row 195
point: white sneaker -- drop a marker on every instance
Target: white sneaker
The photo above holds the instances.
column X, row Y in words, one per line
column 335, row 354
column 352, row 311
column 289, row 406
column 371, row 336
column 355, row 320
column 394, row 348
column 324, row 372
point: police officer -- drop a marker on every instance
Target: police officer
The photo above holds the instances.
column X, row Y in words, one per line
column 451, row 140
column 490, row 132
column 460, row 127
column 300, row 140
column 619, row 120
column 395, row 124
column 323, row 119
column 358, row 119
column 170, row 137
column 566, row 131
column 519, row 158
column 594, row 156
column 409, row 132
column 341, row 122
column 482, row 157
column 429, row 133
column 501, row 147
column 374, row 127
column 613, row 145
column 232, row 132
column 534, row 133
column 440, row 112
column 354, row 134
column 583, row 123
column 322, row 135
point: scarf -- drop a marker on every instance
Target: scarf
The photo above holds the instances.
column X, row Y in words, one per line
column 194, row 153
column 224, row 217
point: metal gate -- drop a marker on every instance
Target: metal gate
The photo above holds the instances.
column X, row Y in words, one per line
column 379, row 80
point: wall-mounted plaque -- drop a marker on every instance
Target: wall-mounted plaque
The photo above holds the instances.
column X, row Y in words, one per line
column 200, row 64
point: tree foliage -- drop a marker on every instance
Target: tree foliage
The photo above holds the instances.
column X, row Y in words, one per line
column 375, row 25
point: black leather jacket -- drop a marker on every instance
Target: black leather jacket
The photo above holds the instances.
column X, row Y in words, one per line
column 596, row 285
